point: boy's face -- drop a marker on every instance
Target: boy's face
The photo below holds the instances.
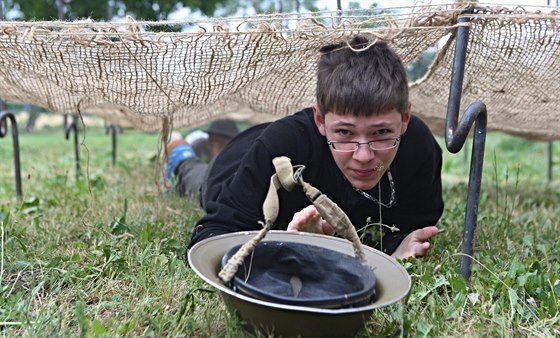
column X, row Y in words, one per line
column 363, row 167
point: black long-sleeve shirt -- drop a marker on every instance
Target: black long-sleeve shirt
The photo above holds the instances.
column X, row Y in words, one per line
column 240, row 176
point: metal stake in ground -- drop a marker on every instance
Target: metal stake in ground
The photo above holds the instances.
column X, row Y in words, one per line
column 4, row 117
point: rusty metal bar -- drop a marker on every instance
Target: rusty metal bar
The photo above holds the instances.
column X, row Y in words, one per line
column 110, row 128
column 4, row 117
column 456, row 133
column 69, row 127
column 550, row 161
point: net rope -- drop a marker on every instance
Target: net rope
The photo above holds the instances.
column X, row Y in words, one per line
column 263, row 67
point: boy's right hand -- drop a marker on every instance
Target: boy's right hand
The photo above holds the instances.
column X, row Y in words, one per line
column 309, row 220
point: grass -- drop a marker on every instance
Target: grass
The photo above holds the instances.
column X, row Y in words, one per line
column 105, row 257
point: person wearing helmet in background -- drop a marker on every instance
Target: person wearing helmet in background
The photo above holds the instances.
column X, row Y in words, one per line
column 188, row 159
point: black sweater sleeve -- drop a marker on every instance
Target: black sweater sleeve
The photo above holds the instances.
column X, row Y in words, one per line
column 237, row 206
column 239, row 180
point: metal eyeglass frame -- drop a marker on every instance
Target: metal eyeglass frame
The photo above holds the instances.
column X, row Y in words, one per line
column 371, row 144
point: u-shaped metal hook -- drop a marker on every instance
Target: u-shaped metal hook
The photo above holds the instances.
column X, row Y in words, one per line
column 69, row 127
column 4, row 117
column 456, row 133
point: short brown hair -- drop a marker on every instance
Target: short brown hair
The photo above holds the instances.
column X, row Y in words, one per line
column 362, row 78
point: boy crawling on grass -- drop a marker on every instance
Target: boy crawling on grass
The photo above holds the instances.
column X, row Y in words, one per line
column 361, row 147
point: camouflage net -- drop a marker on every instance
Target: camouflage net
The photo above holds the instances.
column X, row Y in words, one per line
column 263, row 67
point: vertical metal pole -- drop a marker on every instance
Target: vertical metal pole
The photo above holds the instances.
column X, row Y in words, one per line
column 110, row 9
column 114, row 144
column 455, row 135
column 339, row 9
column 60, row 8
column 110, row 128
column 4, row 116
column 550, row 163
column 73, row 127
column 550, row 145
column 466, row 146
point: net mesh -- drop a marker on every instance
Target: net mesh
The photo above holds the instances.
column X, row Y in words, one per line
column 263, row 67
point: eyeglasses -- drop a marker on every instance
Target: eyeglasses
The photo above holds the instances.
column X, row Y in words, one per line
column 348, row 147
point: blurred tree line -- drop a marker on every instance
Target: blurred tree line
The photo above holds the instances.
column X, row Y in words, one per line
column 148, row 10
column 104, row 10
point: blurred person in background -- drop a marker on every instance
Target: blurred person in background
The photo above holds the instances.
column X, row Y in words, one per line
column 189, row 158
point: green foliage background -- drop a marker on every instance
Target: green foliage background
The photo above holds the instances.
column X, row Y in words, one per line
column 104, row 255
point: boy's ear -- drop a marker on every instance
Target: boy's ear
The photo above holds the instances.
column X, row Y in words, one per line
column 319, row 119
column 406, row 118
